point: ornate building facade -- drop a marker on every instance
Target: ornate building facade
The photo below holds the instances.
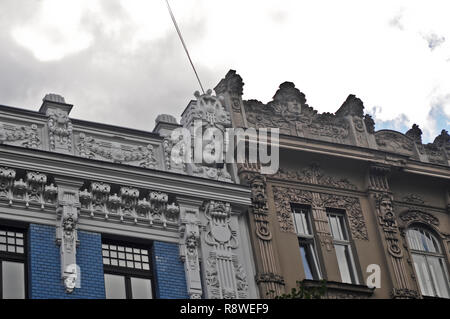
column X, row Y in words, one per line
column 89, row 210
column 347, row 202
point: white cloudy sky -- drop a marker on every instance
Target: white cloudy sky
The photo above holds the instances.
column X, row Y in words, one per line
column 120, row 61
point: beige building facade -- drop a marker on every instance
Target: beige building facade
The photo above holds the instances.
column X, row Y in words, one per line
column 348, row 203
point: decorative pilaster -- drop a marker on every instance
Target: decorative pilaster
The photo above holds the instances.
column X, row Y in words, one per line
column 390, row 234
column 66, row 230
column 190, row 245
column 225, row 276
column 269, row 278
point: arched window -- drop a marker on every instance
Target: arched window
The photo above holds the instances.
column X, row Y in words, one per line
column 429, row 263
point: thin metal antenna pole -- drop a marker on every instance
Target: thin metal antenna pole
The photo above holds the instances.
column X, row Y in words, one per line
column 184, row 44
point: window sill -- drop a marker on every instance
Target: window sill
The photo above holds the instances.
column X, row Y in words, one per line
column 339, row 290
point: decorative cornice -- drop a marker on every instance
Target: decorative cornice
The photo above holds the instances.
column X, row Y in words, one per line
column 313, row 175
column 418, row 216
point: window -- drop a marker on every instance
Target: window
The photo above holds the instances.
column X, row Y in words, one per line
column 429, row 263
column 342, row 247
column 127, row 271
column 12, row 264
column 306, row 242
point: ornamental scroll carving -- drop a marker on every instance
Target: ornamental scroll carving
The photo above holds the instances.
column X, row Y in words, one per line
column 143, row 156
column 284, row 197
column 313, row 175
column 128, row 205
column 225, row 275
column 419, row 216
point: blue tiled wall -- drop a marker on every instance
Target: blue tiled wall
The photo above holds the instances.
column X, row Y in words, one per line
column 45, row 270
column 169, row 272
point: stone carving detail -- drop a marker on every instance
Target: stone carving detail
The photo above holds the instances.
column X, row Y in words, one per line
column 284, row 197
column 313, row 175
column 7, row 177
column 327, row 125
column 388, row 222
column 353, row 210
column 128, row 205
column 288, row 107
column 34, row 190
column 60, row 131
column 419, row 216
column 413, row 199
column 394, row 142
column 24, row 136
column 142, row 156
column 225, row 276
column 189, row 251
column 389, row 230
column 370, row 124
column 415, row 133
column 174, row 154
column 209, row 111
column 67, row 236
column 404, row 293
column 268, row 277
column 232, row 84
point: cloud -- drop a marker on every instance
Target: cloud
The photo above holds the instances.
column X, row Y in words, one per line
column 120, row 61
column 434, row 40
column 395, row 22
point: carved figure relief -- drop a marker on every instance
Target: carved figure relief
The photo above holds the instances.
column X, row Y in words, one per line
column 28, row 137
column 189, row 251
column 268, row 277
column 394, row 142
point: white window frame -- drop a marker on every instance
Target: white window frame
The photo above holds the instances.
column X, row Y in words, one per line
column 416, row 251
column 343, row 240
column 307, row 238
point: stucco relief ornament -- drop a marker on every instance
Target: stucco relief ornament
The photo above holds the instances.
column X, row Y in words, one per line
column 20, row 135
column 67, row 237
column 419, row 216
column 7, row 177
column 60, row 131
column 387, row 220
column 142, row 155
column 35, row 188
column 219, row 232
column 209, row 108
column 191, row 250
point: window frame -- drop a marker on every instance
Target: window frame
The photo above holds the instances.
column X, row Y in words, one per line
column 440, row 255
column 308, row 240
column 15, row 257
column 350, row 251
column 127, row 272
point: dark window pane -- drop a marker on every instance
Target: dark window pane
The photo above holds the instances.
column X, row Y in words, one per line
column 13, row 277
column 141, row 288
column 115, row 287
